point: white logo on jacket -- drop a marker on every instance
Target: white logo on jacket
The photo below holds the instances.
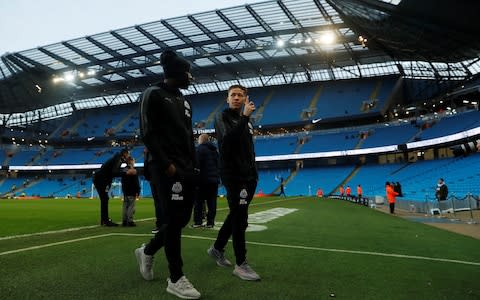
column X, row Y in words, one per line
column 250, row 128
column 176, row 190
column 188, row 109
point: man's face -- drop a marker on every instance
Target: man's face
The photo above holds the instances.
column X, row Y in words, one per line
column 125, row 156
column 236, row 98
column 185, row 80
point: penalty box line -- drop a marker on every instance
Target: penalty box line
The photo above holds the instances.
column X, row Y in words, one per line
column 471, row 263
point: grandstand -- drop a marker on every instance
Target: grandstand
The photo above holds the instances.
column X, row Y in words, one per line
column 313, row 108
column 347, row 92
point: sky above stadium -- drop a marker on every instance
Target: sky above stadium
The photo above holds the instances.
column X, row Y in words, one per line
column 26, row 24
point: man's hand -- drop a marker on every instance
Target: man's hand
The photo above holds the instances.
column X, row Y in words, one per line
column 248, row 108
column 171, row 170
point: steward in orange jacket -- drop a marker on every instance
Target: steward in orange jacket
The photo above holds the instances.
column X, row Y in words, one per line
column 359, row 193
column 342, row 190
column 391, row 196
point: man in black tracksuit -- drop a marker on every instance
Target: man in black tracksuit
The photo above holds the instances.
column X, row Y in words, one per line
column 102, row 180
column 207, row 160
column 166, row 128
column 239, row 176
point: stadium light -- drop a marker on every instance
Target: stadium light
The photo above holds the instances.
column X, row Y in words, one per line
column 327, row 38
column 280, row 43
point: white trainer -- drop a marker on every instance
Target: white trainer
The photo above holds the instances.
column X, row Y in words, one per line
column 145, row 263
column 182, row 289
column 245, row 272
column 219, row 257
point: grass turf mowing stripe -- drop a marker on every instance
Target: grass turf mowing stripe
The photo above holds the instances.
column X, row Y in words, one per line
column 255, row 243
column 140, row 220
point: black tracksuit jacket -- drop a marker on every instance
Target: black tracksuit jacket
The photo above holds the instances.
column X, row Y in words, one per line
column 108, row 170
column 166, row 129
column 235, row 142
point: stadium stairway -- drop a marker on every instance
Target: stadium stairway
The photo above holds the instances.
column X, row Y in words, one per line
column 211, row 116
column 77, row 124
column 125, row 119
column 298, row 147
column 413, row 138
column 359, row 144
column 293, row 173
column 259, row 112
column 347, row 179
column 312, row 107
column 57, row 132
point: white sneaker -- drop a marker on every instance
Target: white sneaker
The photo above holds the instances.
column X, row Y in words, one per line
column 145, row 262
column 182, row 289
column 245, row 272
column 219, row 257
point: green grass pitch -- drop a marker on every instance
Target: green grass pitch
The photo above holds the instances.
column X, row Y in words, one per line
column 325, row 249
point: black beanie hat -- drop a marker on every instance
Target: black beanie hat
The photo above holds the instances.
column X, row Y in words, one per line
column 173, row 65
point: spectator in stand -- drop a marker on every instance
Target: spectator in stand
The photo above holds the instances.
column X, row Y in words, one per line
column 391, row 196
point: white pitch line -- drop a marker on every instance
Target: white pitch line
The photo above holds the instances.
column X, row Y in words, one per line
column 95, row 226
column 256, row 243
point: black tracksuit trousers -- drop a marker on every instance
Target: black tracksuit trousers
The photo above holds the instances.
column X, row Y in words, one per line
column 102, row 190
column 206, row 192
column 239, row 196
column 174, row 201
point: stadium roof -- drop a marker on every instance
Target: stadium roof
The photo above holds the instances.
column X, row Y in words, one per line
column 267, row 43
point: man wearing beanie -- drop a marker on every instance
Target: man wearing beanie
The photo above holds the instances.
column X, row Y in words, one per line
column 166, row 130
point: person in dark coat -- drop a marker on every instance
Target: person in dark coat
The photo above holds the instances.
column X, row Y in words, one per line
column 441, row 193
column 166, row 130
column 207, row 160
column 102, row 180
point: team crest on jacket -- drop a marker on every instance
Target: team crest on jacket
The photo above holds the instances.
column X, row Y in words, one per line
column 176, row 190
column 177, row 187
column 243, row 193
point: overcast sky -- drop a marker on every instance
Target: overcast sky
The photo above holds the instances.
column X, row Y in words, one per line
column 26, row 24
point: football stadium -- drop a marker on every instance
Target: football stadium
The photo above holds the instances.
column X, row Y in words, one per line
column 355, row 100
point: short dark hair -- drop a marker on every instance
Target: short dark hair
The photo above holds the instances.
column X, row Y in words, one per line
column 237, row 86
column 124, row 150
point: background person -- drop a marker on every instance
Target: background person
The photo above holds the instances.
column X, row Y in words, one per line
column 391, row 196
column 102, row 180
column 441, row 192
column 209, row 178
column 131, row 191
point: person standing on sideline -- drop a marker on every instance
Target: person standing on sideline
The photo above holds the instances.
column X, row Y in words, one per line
column 207, row 160
column 348, row 191
column 359, row 193
column 441, row 193
column 239, row 176
column 342, row 191
column 282, row 188
column 166, row 130
column 131, row 191
column 391, row 196
column 102, row 180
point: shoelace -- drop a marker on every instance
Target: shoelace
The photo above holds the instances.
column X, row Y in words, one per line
column 149, row 261
column 184, row 283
